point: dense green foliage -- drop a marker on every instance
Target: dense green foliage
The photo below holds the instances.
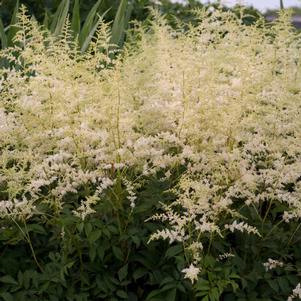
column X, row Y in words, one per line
column 106, row 257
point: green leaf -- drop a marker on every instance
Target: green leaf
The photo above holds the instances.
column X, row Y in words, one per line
column 88, row 229
column 80, row 227
column 3, row 36
column 203, row 285
column 36, row 229
column 92, row 253
column 234, row 285
column 117, row 253
column 59, row 19
column 283, row 284
column 75, row 21
column 113, row 229
column 153, row 294
column 136, row 240
column 12, row 28
column 167, row 279
column 274, row 285
column 211, row 276
column 106, row 232
column 171, row 295
column 46, row 21
column 122, row 273
column 94, row 236
column 122, row 294
column 174, row 250
column 8, row 280
column 169, row 286
column 209, row 261
column 139, row 273
column 201, row 293
column 7, row 296
column 89, row 24
column 101, row 251
column 26, row 279
column 20, row 278
column 121, row 22
column 88, row 39
column 214, row 294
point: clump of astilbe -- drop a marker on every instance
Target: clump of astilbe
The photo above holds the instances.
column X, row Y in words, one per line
column 47, row 100
column 220, row 101
column 236, row 110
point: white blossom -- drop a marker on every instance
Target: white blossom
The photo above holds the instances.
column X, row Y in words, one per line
column 242, row 227
column 191, row 273
column 272, row 264
column 296, row 293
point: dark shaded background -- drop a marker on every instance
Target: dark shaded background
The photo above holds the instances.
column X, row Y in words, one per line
column 38, row 7
column 140, row 9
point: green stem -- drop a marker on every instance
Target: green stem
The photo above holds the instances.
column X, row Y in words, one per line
column 281, row 4
column 28, row 240
column 291, row 238
column 273, row 228
column 32, row 250
column 210, row 243
column 257, row 212
column 267, row 212
column 118, row 122
column 184, row 105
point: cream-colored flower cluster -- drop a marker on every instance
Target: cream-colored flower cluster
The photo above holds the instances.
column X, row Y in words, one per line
column 296, row 293
column 191, row 273
column 272, row 264
column 220, row 99
column 225, row 256
column 242, row 227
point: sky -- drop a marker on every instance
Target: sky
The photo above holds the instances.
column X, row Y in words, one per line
column 259, row 4
column 265, row 4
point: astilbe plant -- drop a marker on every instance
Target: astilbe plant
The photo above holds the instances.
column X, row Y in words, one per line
column 212, row 108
